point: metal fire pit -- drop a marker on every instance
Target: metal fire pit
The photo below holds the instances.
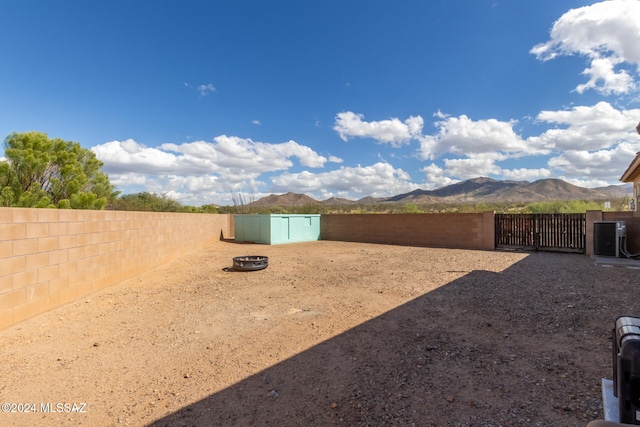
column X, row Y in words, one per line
column 250, row 262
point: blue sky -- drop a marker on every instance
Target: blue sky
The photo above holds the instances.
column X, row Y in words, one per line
column 201, row 99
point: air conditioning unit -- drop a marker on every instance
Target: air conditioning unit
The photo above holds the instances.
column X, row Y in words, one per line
column 607, row 236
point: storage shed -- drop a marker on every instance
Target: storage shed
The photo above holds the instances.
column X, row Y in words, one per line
column 273, row 229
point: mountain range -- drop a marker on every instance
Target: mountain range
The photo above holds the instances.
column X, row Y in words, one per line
column 477, row 190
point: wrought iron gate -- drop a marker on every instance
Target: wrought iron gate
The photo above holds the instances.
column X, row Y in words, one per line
column 545, row 232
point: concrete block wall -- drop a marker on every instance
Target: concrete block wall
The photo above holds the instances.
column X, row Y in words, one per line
column 50, row 257
column 456, row 230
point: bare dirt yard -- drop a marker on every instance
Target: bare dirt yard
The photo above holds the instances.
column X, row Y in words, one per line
column 331, row 333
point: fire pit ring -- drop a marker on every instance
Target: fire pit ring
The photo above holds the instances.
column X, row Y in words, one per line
column 250, row 262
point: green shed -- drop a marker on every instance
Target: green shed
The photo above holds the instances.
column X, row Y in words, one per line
column 273, row 229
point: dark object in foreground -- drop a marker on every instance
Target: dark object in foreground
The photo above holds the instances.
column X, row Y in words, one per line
column 626, row 368
column 250, row 262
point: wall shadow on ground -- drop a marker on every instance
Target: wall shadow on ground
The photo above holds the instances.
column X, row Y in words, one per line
column 487, row 349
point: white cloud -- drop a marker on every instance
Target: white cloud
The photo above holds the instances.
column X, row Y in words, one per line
column 523, row 174
column 586, row 183
column 608, row 35
column 436, row 177
column 463, row 136
column 603, row 70
column 305, row 155
column 597, row 141
column 206, row 89
column 473, row 167
column 200, row 169
column 234, row 153
column 190, row 183
column 256, row 122
column 392, row 131
column 128, row 155
column 128, row 179
column 600, row 164
column 587, row 127
column 377, row 180
column 588, row 144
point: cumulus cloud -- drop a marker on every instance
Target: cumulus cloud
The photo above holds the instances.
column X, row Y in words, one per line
column 587, row 127
column 436, row 177
column 599, row 164
column 464, row 136
column 608, row 35
column 524, row 174
column 587, row 183
column 377, row 180
column 226, row 155
column 591, row 145
column 128, row 155
column 196, row 167
column 473, row 167
column 128, row 179
column 474, row 147
column 603, row 70
column 598, row 140
column 391, row 131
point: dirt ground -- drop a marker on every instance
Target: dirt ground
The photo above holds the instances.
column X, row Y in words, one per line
column 331, row 333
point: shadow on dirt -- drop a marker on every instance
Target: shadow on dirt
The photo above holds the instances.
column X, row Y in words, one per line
column 487, row 349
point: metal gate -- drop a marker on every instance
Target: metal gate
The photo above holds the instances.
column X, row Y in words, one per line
column 545, row 232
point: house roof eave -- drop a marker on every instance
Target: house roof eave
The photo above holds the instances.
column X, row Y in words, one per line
column 633, row 171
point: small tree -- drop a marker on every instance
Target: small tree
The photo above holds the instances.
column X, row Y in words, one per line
column 411, row 208
column 145, row 201
column 243, row 201
column 212, row 209
column 44, row 172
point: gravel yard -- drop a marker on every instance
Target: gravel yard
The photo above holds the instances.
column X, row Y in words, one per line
column 331, row 333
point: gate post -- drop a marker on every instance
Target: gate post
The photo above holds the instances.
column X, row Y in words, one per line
column 590, row 218
column 489, row 230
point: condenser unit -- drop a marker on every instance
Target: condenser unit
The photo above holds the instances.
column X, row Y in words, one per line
column 607, row 236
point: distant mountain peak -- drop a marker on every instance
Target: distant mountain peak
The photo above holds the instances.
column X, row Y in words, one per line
column 476, row 190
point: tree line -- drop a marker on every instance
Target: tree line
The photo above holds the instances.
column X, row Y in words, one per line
column 555, row 206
